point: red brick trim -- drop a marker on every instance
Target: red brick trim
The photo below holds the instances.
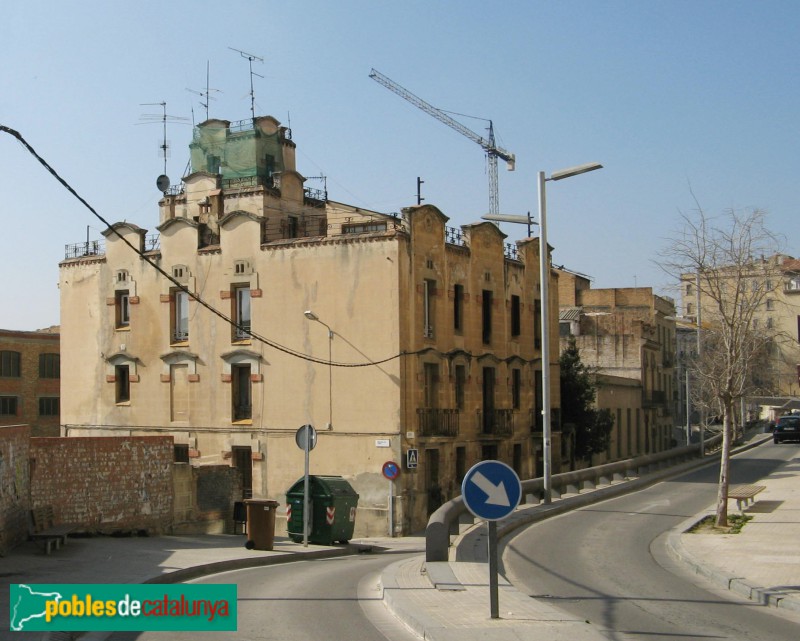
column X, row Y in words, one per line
column 111, row 301
column 133, row 378
column 110, row 378
column 165, row 298
column 194, row 378
column 165, row 378
column 256, row 456
column 256, row 378
column 225, row 294
column 194, row 453
column 133, row 300
column 256, row 293
column 227, row 378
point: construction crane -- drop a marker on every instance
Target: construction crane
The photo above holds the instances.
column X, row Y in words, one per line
column 493, row 152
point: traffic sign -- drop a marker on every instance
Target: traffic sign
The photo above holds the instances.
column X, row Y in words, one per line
column 306, row 435
column 412, row 456
column 391, row 470
column 491, row 490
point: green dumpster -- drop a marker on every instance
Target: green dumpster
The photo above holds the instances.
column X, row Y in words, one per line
column 333, row 510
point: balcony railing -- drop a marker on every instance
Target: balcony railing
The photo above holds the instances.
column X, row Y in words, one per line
column 496, row 422
column 437, row 422
column 654, row 398
column 242, row 332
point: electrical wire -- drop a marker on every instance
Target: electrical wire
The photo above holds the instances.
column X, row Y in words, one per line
column 257, row 337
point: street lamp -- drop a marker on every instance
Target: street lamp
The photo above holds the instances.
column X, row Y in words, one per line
column 544, row 279
column 313, row 317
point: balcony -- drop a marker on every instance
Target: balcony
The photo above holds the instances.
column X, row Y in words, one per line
column 437, row 422
column 496, row 422
column 656, row 398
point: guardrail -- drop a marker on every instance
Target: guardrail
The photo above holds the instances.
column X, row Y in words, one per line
column 444, row 522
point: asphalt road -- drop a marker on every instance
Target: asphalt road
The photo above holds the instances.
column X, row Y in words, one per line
column 334, row 599
column 607, row 563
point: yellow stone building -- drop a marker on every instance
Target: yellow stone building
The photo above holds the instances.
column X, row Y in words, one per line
column 627, row 336
column 776, row 282
column 263, row 306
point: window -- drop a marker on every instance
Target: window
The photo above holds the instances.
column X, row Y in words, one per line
column 181, row 453
column 428, row 292
column 537, row 324
column 291, row 227
column 49, row 366
column 122, row 308
column 179, row 316
column 8, row 405
column 362, row 228
column 241, row 392
column 431, row 373
column 516, row 388
column 689, row 309
column 179, row 391
column 486, row 315
column 123, row 383
column 689, row 289
column 10, row 364
column 770, row 304
column 461, row 383
column 515, row 316
column 770, row 322
column 458, row 308
column 49, row 406
column 241, row 312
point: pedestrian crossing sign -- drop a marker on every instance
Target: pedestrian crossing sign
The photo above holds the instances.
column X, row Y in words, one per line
column 412, row 456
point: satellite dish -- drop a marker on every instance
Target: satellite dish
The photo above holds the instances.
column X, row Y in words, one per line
column 162, row 182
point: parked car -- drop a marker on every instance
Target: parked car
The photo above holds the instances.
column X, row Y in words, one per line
column 787, row 428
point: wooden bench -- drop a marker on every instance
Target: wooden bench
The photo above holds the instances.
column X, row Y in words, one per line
column 43, row 529
column 744, row 494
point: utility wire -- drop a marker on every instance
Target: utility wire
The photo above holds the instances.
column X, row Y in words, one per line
column 211, row 308
column 172, row 279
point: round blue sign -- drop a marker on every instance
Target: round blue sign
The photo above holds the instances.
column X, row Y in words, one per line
column 391, row 470
column 491, row 490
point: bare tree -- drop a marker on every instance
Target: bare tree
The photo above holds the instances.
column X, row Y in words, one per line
column 731, row 261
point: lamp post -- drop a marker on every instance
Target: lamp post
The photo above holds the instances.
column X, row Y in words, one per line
column 544, row 280
column 313, row 317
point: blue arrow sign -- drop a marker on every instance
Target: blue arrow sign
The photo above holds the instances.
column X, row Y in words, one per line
column 491, row 490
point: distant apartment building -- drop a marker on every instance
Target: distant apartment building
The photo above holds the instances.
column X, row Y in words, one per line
column 778, row 316
column 30, row 377
column 398, row 338
column 627, row 336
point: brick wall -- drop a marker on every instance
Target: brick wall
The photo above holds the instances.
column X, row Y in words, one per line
column 106, row 484
column 14, row 486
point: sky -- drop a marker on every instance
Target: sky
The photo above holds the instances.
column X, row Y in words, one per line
column 686, row 103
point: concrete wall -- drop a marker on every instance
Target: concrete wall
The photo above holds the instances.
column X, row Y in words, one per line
column 14, row 486
column 105, row 484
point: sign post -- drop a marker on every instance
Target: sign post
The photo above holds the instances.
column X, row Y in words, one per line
column 491, row 490
column 391, row 471
column 306, row 439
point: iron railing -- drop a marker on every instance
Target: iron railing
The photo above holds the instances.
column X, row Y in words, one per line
column 437, row 422
column 496, row 422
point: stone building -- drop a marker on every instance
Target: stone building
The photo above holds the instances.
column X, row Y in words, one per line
column 30, row 374
column 776, row 281
column 627, row 336
column 263, row 306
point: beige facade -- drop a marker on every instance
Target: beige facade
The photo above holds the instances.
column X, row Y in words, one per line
column 627, row 335
column 421, row 339
column 778, row 278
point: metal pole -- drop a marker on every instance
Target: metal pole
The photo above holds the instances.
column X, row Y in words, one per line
column 330, row 378
column 544, row 282
column 391, row 508
column 494, row 604
column 306, row 502
column 688, row 410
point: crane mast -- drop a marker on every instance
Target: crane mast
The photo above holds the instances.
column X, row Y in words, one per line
column 493, row 152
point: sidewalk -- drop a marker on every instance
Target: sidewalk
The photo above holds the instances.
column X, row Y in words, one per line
column 758, row 563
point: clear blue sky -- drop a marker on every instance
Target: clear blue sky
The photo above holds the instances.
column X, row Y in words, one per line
column 672, row 97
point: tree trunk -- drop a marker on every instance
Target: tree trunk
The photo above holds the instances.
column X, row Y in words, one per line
column 724, row 465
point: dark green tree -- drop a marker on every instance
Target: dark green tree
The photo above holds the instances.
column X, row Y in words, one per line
column 591, row 427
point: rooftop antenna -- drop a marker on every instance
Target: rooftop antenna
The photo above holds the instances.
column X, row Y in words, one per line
column 207, row 93
column 163, row 117
column 250, row 57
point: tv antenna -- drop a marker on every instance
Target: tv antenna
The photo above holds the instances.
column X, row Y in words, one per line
column 250, row 57
column 163, row 118
column 206, row 95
